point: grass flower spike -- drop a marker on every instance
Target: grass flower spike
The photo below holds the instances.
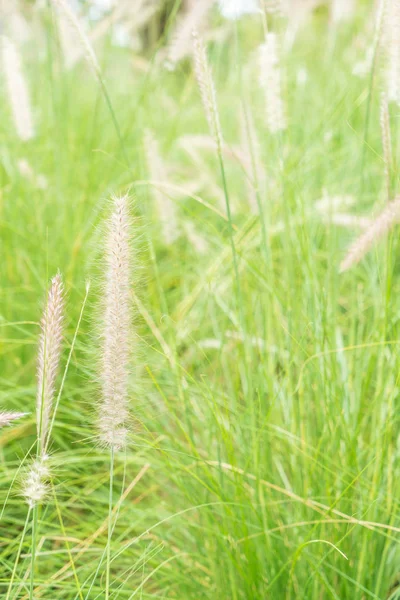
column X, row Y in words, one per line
column 6, row 418
column 392, row 32
column 270, row 81
column 50, row 342
column 207, row 88
column 49, row 357
column 194, row 18
column 116, row 324
column 17, row 90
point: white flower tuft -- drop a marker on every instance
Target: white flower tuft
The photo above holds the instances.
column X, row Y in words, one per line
column 35, row 487
column 17, row 90
column 71, row 28
column 207, row 88
column 270, row 81
column 392, row 42
column 116, row 326
column 181, row 44
column 49, row 357
column 8, row 417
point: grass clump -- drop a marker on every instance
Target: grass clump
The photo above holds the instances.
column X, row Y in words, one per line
column 264, row 461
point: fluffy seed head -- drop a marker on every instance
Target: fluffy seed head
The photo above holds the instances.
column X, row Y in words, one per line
column 378, row 229
column 17, row 90
column 270, row 81
column 49, row 356
column 35, row 487
column 71, row 27
column 392, row 44
column 207, row 88
column 181, row 44
column 8, row 417
column 116, row 326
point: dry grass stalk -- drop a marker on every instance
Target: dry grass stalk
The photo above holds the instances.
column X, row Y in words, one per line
column 17, row 90
column 380, row 227
column 158, row 172
column 207, row 89
column 271, row 83
column 116, row 327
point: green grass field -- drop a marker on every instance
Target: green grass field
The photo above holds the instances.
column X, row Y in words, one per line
column 264, row 461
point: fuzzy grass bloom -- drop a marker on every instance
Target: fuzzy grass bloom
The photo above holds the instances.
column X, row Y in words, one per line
column 392, row 43
column 17, row 90
column 49, row 357
column 6, row 418
column 35, row 487
column 71, row 28
column 271, row 83
column 379, row 227
column 116, row 325
column 50, row 343
column 207, row 88
column 181, row 44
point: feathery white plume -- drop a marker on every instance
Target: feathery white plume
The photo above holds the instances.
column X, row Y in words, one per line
column 207, row 88
column 165, row 206
column 17, row 90
column 35, row 483
column 49, row 357
column 35, row 487
column 70, row 25
column 392, row 41
column 8, row 417
column 116, row 327
column 270, row 81
column 194, row 19
column 379, row 227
